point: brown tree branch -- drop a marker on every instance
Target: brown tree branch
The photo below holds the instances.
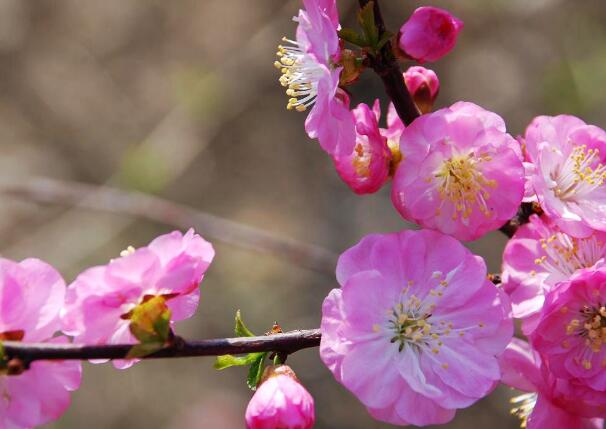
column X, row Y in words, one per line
column 521, row 217
column 126, row 202
column 386, row 66
column 288, row 342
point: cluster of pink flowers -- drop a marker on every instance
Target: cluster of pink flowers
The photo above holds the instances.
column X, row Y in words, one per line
column 415, row 329
column 553, row 270
column 311, row 67
column 38, row 307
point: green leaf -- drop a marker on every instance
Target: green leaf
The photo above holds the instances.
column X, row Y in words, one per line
column 227, row 361
column 3, row 359
column 352, row 36
column 144, row 349
column 384, row 39
column 241, row 329
column 255, row 372
column 150, row 321
column 366, row 18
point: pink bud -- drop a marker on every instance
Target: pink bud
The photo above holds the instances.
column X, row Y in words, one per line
column 429, row 34
column 423, row 85
column 280, row 402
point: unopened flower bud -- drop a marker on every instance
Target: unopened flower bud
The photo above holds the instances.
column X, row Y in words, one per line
column 423, row 85
column 280, row 402
column 429, row 34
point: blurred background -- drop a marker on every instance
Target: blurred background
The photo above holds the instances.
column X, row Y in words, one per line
column 180, row 99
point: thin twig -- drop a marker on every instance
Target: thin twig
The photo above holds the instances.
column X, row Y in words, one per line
column 386, row 66
column 288, row 342
column 521, row 217
column 134, row 203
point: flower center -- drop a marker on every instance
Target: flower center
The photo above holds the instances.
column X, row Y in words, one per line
column 301, row 73
column 591, row 326
column 566, row 254
column 580, row 174
column 410, row 322
column 524, row 405
column 464, row 185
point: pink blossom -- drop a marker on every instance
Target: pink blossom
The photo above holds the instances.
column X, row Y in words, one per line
column 311, row 74
column 280, row 402
column 415, row 327
column 31, row 296
column 571, row 334
column 548, row 402
column 460, row 173
column 366, row 168
column 395, row 126
column 569, row 160
column 429, row 34
column 98, row 303
column 423, row 85
column 540, row 255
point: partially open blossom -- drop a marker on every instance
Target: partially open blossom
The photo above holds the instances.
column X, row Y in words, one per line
column 31, row 296
column 100, row 302
column 415, row 327
column 366, row 168
column 569, row 159
column 392, row 133
column 538, row 256
column 423, row 85
column 460, row 173
column 571, row 333
column 548, row 402
column 310, row 72
column 429, row 34
column 280, row 402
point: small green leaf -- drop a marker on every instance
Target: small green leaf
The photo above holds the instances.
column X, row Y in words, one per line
column 366, row 18
column 227, row 361
column 241, row 329
column 255, row 372
column 350, row 35
column 150, row 321
column 3, row 360
column 143, row 349
column 384, row 39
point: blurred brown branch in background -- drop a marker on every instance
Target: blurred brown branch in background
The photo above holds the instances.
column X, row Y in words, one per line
column 133, row 203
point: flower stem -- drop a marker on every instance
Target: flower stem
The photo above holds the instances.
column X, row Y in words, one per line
column 387, row 68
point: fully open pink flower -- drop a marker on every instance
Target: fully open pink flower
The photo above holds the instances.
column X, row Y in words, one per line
column 423, row 85
column 429, row 34
column 31, row 296
column 548, row 402
column 571, row 333
column 311, row 74
column 366, row 168
column 569, row 160
column 460, row 172
column 415, row 327
column 280, row 402
column 540, row 255
column 99, row 301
